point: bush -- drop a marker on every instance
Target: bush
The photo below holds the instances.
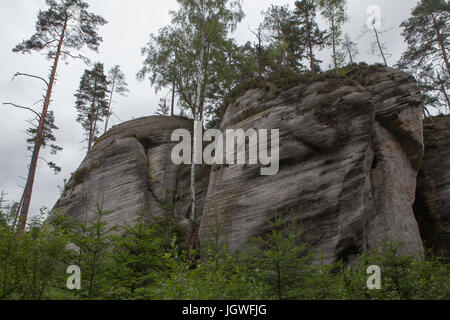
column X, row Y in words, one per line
column 146, row 262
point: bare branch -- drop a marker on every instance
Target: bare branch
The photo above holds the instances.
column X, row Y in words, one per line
column 81, row 57
column 49, row 42
column 45, row 160
column 18, row 74
column 42, row 100
column 22, row 107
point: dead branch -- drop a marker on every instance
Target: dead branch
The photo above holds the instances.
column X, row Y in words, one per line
column 22, row 107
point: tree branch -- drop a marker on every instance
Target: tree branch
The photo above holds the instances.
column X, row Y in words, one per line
column 81, row 57
column 18, row 74
column 22, row 107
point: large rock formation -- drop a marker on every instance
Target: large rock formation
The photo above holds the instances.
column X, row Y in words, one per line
column 350, row 151
column 351, row 146
column 432, row 207
column 130, row 169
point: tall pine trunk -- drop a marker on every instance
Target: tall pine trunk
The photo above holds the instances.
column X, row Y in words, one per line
column 441, row 44
column 26, row 197
column 93, row 121
column 311, row 58
column 447, row 99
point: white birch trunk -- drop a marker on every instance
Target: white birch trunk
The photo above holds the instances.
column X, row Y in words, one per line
column 198, row 122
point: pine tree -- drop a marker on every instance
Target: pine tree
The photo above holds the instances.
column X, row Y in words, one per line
column 117, row 84
column 259, row 49
column 163, row 108
column 92, row 102
column 92, row 238
column 47, row 137
column 279, row 259
column 310, row 33
column 427, row 34
column 136, row 258
column 66, row 25
column 286, row 49
column 335, row 13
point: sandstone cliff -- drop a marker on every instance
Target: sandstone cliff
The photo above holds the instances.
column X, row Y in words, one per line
column 432, row 207
column 351, row 147
column 350, row 151
column 130, row 169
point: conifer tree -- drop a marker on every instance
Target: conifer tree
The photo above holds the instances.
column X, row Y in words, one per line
column 286, row 49
column 92, row 238
column 279, row 259
column 92, row 102
column 65, row 26
column 310, row 33
column 427, row 34
column 47, row 137
column 163, row 108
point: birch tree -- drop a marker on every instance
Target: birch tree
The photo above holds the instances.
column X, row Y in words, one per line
column 350, row 48
column 334, row 11
column 201, row 28
column 161, row 62
column 212, row 20
column 117, row 85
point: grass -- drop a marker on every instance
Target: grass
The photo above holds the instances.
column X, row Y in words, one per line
column 79, row 176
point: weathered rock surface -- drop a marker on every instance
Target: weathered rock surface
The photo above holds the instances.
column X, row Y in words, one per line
column 350, row 152
column 130, row 169
column 432, row 207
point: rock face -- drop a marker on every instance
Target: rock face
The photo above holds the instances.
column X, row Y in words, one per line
column 432, row 207
column 350, row 152
column 351, row 147
column 130, row 169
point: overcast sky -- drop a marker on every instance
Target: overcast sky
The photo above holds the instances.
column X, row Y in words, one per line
column 130, row 23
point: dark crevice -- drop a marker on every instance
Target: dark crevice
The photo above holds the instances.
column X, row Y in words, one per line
column 424, row 217
column 348, row 254
column 145, row 141
column 375, row 162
